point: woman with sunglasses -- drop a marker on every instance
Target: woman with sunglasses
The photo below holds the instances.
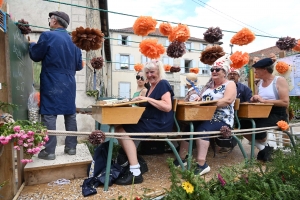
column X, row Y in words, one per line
column 157, row 117
column 141, row 89
column 223, row 90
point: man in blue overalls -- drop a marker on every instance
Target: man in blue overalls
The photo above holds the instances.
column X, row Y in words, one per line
column 60, row 61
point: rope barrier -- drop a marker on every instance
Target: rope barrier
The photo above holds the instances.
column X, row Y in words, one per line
column 167, row 135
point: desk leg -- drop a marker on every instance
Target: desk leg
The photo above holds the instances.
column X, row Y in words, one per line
column 291, row 138
column 253, row 139
column 190, row 146
column 176, row 154
column 109, row 156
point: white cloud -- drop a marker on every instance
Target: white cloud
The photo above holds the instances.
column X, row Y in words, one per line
column 271, row 17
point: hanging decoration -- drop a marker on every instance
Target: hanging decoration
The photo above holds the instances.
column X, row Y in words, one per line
column 297, row 47
column 138, row 67
column 194, row 70
column 181, row 33
column 243, row 37
column 1, row 3
column 239, row 59
column 176, row 49
column 286, row 43
column 96, row 137
column 88, row 38
column 211, row 54
column 175, row 69
column 144, row 25
column 212, row 35
column 165, row 29
column 97, row 62
column 151, row 49
column 167, row 67
column 282, row 67
column 23, row 26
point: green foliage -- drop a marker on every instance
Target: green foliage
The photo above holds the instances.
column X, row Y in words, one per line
column 278, row 179
column 7, row 107
column 93, row 93
column 295, row 102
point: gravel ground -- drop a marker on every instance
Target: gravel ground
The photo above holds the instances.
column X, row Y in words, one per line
column 156, row 179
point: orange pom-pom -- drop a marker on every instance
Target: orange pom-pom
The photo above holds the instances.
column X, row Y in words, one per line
column 181, row 33
column 239, row 59
column 283, row 125
column 1, row 3
column 138, row 67
column 194, row 70
column 282, row 67
column 151, row 49
column 167, row 67
column 297, row 47
column 165, row 29
column 144, row 25
column 243, row 37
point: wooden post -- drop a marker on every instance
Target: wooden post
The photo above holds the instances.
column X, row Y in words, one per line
column 7, row 172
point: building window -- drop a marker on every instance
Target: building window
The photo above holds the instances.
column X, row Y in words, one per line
column 124, row 59
column 188, row 46
column 205, row 70
column 187, row 66
column 204, row 46
column 124, row 40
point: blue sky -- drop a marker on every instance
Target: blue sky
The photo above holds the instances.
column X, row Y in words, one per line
column 264, row 17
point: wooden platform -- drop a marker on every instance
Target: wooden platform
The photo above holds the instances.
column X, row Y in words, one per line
column 64, row 166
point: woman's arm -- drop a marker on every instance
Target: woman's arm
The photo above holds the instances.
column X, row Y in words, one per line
column 165, row 104
column 229, row 95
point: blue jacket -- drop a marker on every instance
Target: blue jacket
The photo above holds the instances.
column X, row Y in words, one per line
column 244, row 93
column 60, row 61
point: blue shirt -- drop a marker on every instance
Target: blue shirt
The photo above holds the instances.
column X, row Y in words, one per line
column 244, row 93
column 60, row 61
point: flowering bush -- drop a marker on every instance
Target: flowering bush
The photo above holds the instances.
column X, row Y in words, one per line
column 31, row 136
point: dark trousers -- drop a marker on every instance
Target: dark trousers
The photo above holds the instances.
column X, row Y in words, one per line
column 70, row 124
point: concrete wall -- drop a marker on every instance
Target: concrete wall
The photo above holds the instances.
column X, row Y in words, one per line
column 36, row 13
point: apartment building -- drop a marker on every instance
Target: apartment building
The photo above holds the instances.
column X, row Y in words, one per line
column 125, row 54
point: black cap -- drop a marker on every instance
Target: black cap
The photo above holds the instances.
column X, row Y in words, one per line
column 263, row 63
column 62, row 15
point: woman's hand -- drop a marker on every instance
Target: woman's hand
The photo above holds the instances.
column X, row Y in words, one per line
column 257, row 98
column 197, row 98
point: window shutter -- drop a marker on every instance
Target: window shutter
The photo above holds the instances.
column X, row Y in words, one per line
column 192, row 46
column 208, row 69
column 201, row 46
column 119, row 39
column 193, row 64
column 117, row 61
column 129, row 40
column 171, row 61
column 131, row 60
column 182, row 65
column 182, row 90
column 200, row 67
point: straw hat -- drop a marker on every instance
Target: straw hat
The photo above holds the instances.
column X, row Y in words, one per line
column 191, row 78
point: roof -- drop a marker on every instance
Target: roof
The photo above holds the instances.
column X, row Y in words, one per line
column 156, row 33
column 264, row 53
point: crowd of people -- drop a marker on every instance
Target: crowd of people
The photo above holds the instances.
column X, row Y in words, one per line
column 58, row 89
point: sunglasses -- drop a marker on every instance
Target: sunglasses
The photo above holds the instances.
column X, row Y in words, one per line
column 213, row 69
column 138, row 77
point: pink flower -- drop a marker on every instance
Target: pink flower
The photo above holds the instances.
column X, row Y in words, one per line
column 2, row 138
column 25, row 145
column 8, row 137
column 17, row 128
column 5, row 141
column 17, row 148
column 30, row 133
column 46, row 138
column 20, row 142
column 24, row 136
column 222, row 181
column 29, row 150
column 25, row 161
column 30, row 144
